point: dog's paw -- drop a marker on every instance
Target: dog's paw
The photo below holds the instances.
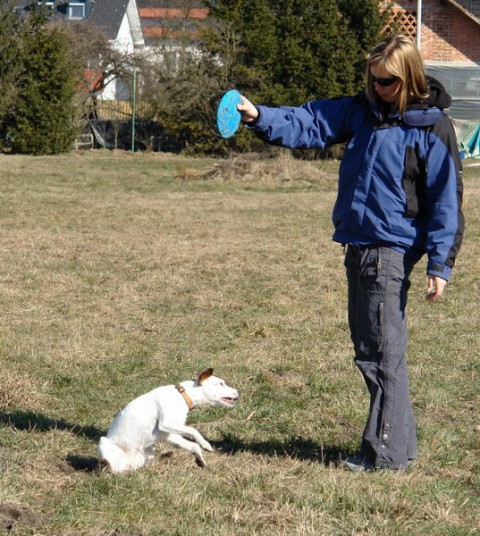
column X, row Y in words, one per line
column 102, row 467
column 207, row 446
column 200, row 462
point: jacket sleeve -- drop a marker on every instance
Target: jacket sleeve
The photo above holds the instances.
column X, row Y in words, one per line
column 444, row 192
column 316, row 124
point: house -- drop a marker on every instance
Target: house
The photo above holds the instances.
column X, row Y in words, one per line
column 118, row 19
column 450, row 29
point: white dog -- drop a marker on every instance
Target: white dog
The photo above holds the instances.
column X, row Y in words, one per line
column 160, row 415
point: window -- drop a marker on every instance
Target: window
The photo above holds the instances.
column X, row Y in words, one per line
column 72, row 10
column 76, row 10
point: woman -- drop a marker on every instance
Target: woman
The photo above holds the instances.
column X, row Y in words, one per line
column 399, row 196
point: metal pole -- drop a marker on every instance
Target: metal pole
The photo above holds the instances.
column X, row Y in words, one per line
column 134, row 106
column 419, row 24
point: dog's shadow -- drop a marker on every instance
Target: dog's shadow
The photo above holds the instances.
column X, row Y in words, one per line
column 298, row 448
column 29, row 421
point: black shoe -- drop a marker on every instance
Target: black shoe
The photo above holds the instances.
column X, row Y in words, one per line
column 358, row 464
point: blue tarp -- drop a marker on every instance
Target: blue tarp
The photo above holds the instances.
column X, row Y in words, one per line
column 472, row 146
column 468, row 136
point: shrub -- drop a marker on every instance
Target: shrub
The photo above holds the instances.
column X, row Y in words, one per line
column 42, row 118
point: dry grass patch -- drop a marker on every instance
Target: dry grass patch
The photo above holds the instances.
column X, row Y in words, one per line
column 278, row 169
column 122, row 272
column 20, row 390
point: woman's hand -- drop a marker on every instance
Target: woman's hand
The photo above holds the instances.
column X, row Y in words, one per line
column 435, row 287
column 247, row 110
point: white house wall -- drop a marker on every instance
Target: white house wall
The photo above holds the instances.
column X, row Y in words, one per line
column 129, row 39
column 124, row 40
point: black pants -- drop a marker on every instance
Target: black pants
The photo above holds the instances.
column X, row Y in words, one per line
column 377, row 296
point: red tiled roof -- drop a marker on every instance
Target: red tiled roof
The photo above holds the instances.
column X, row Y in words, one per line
column 169, row 13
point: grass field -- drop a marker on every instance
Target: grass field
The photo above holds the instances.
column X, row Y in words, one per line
column 123, row 272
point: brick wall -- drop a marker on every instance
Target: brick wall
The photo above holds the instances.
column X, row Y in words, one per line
column 448, row 34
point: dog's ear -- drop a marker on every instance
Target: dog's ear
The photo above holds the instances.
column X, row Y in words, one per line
column 204, row 375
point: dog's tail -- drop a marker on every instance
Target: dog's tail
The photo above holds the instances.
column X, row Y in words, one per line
column 119, row 458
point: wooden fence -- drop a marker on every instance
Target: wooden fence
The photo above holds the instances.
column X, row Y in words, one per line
column 119, row 110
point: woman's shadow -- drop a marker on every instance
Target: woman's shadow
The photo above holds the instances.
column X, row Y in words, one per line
column 299, row 448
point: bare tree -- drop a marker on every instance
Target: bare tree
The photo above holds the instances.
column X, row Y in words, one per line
column 101, row 63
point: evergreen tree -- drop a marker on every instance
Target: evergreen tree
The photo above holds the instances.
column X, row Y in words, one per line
column 11, row 63
column 297, row 50
column 43, row 119
column 366, row 22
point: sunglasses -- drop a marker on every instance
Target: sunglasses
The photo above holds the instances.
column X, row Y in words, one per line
column 384, row 82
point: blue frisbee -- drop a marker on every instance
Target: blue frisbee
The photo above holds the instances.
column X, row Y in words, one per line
column 228, row 117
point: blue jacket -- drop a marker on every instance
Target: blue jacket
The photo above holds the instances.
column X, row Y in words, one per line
column 400, row 181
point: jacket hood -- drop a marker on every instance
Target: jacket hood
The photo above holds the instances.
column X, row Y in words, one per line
column 430, row 110
column 438, row 95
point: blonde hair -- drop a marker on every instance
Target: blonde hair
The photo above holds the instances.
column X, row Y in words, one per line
column 402, row 59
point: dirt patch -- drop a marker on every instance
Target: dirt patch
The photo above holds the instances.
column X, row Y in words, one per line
column 13, row 515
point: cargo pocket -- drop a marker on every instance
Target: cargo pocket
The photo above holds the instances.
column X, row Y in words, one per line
column 369, row 268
